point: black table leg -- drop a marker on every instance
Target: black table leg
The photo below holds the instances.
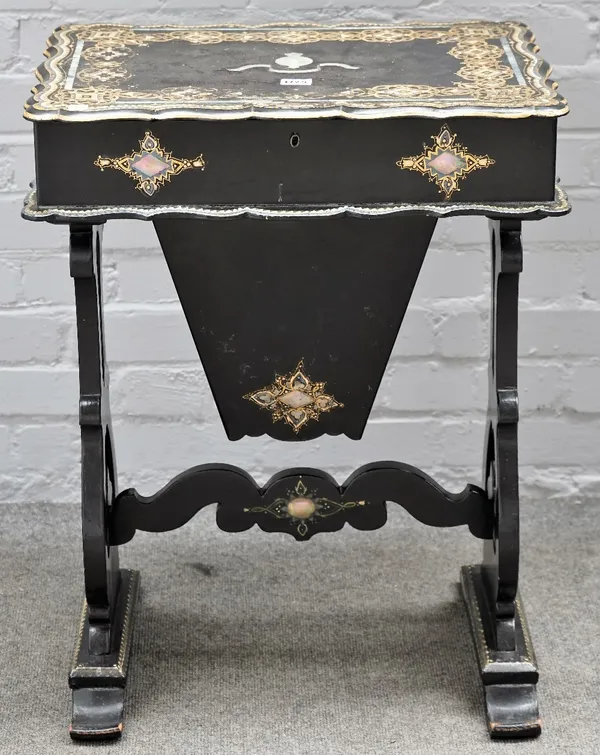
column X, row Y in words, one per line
column 99, row 673
column 504, row 650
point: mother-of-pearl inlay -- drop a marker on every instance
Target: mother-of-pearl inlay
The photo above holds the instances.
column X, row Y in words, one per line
column 301, row 508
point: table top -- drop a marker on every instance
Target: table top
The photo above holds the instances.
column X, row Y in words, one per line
column 440, row 70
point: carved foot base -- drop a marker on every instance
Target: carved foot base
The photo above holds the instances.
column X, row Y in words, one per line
column 98, row 681
column 509, row 677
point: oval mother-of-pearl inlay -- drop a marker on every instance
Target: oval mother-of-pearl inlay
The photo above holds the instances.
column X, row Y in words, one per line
column 296, row 399
column 301, row 508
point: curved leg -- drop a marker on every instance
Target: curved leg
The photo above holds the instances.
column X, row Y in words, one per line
column 100, row 667
column 501, row 480
column 505, row 654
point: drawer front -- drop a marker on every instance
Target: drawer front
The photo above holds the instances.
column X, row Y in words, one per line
column 288, row 162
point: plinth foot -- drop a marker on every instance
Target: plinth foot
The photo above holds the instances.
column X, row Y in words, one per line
column 509, row 676
column 98, row 681
column 97, row 713
column 512, row 711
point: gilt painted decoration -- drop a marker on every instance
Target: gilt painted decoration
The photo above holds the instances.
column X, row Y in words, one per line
column 355, row 70
column 302, row 505
column 294, row 398
column 446, row 162
column 291, row 62
column 151, row 166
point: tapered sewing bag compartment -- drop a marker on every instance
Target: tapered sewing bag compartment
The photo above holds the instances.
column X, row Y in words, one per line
column 263, row 297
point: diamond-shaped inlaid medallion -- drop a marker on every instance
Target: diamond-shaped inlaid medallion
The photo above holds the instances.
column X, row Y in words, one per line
column 294, row 398
column 149, row 165
column 152, row 166
column 446, row 162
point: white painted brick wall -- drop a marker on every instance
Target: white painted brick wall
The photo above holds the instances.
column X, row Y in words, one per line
column 431, row 406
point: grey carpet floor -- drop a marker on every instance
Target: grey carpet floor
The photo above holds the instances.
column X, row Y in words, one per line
column 352, row 644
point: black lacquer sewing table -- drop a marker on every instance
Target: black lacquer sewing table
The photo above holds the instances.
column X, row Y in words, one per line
column 294, row 175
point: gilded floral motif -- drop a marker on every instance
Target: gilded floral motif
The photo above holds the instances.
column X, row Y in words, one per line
column 294, row 398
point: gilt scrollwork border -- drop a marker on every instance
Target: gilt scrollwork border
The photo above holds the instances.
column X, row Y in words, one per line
column 482, row 88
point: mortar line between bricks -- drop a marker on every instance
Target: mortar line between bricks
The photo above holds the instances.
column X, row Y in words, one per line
column 16, row 139
column 387, row 417
column 581, row 132
column 441, row 307
column 124, row 368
